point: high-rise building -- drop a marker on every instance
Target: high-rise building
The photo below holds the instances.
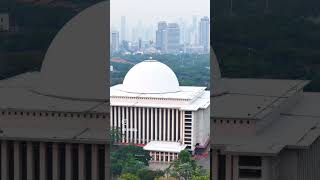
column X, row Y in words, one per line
column 173, row 38
column 195, row 29
column 115, row 41
column 204, row 31
column 123, row 34
column 161, row 36
column 140, row 44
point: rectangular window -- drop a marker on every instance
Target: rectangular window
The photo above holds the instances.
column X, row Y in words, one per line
column 250, row 161
column 250, row 173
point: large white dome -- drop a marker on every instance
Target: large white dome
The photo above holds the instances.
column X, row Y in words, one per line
column 76, row 63
column 151, row 77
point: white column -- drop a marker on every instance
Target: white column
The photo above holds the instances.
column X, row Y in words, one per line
column 4, row 161
column 164, row 125
column 228, row 167
column 135, row 125
column 139, row 126
column 168, row 125
column 119, row 118
column 81, row 162
column 143, row 125
column 94, row 162
column 177, row 125
column 43, row 161
column 17, row 160
column 123, row 122
column 156, row 121
column 173, row 128
column 107, row 161
column 182, row 125
column 55, row 162
column 30, row 161
column 68, row 154
column 152, row 129
column 111, row 116
column 127, row 125
column 148, row 122
column 131, row 125
column 160, row 124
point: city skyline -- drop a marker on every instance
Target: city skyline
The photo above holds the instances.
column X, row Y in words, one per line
column 166, row 37
column 153, row 11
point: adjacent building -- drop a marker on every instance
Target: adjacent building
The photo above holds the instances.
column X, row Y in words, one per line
column 204, row 33
column 263, row 129
column 115, row 41
column 123, row 34
column 4, row 22
column 161, row 37
column 151, row 109
column 173, row 38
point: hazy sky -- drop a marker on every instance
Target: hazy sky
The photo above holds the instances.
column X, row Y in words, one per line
column 152, row 11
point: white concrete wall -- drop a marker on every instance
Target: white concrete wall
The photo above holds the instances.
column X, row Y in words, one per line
column 202, row 123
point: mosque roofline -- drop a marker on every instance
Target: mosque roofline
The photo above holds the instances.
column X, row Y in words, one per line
column 295, row 128
column 17, row 93
column 86, row 136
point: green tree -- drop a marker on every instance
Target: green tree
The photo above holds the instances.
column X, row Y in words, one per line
column 185, row 167
column 128, row 176
column 147, row 174
column 128, row 159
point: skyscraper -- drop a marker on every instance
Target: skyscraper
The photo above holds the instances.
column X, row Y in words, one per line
column 123, row 34
column 115, row 41
column 161, row 36
column 195, row 29
column 173, row 38
column 204, row 30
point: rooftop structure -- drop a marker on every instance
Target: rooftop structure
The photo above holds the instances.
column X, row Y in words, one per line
column 174, row 147
column 264, row 129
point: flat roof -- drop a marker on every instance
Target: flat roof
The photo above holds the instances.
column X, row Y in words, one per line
column 187, row 92
column 164, row 146
column 76, row 135
column 202, row 101
column 17, row 93
column 259, row 95
column 295, row 128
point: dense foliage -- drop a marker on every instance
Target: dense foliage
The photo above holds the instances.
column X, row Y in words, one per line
column 128, row 159
column 186, row 168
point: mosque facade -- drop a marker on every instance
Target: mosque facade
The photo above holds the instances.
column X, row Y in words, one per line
column 151, row 109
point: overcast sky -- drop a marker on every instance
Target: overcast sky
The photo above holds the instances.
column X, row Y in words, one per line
column 152, row 11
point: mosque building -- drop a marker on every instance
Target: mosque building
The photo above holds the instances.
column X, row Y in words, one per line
column 54, row 123
column 263, row 129
column 151, row 109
